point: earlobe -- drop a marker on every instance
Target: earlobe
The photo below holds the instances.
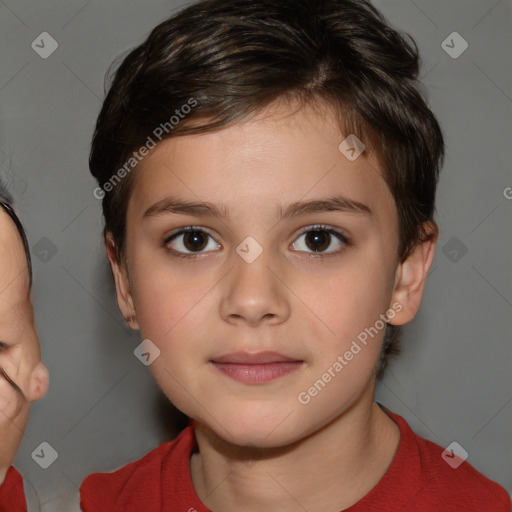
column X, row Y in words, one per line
column 122, row 284
column 39, row 382
column 411, row 275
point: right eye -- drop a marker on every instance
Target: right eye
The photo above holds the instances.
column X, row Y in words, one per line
column 193, row 239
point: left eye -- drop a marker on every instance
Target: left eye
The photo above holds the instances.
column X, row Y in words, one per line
column 320, row 238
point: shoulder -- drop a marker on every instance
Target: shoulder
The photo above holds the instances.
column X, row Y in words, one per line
column 457, row 483
column 12, row 497
column 141, row 478
column 444, row 480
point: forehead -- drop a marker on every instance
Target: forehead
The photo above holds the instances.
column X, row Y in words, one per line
column 282, row 154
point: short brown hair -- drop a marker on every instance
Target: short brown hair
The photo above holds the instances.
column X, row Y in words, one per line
column 234, row 57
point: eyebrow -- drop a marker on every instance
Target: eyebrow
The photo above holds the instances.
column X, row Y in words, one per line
column 172, row 205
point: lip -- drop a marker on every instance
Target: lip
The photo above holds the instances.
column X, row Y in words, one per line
column 256, row 368
column 264, row 357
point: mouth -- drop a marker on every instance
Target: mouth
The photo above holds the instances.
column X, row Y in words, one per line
column 256, row 368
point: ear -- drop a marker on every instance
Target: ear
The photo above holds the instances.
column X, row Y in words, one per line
column 411, row 275
column 39, row 382
column 122, row 283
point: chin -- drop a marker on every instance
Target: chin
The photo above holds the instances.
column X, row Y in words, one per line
column 258, row 425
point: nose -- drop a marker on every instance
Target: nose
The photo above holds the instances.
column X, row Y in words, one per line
column 254, row 293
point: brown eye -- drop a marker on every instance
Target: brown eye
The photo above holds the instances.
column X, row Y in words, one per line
column 195, row 241
column 188, row 242
column 319, row 238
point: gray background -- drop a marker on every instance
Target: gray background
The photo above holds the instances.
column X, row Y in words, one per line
column 453, row 382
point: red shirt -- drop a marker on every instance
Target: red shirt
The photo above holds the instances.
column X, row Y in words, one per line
column 418, row 480
column 12, row 497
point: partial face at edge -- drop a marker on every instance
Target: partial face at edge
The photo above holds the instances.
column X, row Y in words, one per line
column 308, row 297
column 20, row 354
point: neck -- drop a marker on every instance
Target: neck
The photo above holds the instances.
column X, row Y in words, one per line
column 345, row 459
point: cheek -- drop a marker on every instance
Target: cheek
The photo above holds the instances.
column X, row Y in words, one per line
column 164, row 294
column 10, row 403
column 349, row 298
column 170, row 313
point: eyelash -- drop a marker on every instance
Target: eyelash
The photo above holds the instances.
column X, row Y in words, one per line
column 318, row 227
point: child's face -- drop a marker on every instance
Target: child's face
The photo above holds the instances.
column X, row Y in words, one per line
column 307, row 309
column 24, row 377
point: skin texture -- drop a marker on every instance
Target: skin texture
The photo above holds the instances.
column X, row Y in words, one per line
column 20, row 356
column 255, row 440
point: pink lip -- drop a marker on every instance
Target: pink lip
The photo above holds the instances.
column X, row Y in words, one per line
column 255, row 368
